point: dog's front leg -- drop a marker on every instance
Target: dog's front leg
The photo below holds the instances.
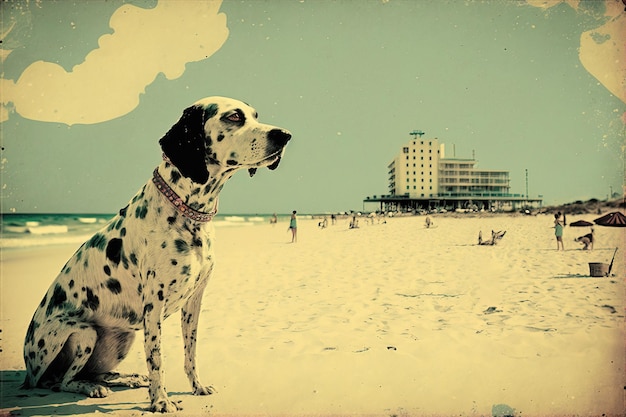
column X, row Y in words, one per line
column 153, row 317
column 190, row 314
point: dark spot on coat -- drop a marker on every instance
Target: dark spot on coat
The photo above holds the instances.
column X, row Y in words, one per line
column 43, row 300
column 98, row 241
column 147, row 308
column 41, row 344
column 231, row 162
column 107, row 270
column 133, row 259
column 114, row 286
column 175, row 176
column 122, row 232
column 71, row 284
column 114, row 250
column 92, row 302
column 56, row 301
column 123, row 211
column 181, row 246
column 142, row 210
column 220, row 137
column 160, row 295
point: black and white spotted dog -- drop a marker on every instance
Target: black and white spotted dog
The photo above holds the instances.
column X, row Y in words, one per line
column 151, row 260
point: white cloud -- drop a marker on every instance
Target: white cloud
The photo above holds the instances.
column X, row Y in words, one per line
column 602, row 49
column 144, row 43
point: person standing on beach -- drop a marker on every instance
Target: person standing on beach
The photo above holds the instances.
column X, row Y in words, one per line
column 293, row 225
column 558, row 231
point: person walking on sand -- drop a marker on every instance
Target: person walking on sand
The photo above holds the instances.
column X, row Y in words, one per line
column 293, row 225
column 558, row 231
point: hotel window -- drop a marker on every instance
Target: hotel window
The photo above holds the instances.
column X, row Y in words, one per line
column 405, row 150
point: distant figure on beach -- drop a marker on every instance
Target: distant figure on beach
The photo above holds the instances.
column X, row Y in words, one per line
column 333, row 219
column 428, row 222
column 293, row 226
column 586, row 240
column 274, row 219
column 354, row 224
column 324, row 223
column 558, row 231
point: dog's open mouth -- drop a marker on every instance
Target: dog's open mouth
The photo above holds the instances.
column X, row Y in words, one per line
column 275, row 158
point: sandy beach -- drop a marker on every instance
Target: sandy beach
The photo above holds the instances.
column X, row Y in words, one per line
column 387, row 319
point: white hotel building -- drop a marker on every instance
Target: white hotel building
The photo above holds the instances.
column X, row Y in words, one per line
column 421, row 176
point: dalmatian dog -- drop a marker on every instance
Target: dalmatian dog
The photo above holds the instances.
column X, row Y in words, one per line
column 151, row 260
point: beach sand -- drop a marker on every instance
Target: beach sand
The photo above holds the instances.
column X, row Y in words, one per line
column 387, row 319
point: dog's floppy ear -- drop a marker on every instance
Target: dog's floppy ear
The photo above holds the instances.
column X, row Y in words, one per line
column 185, row 144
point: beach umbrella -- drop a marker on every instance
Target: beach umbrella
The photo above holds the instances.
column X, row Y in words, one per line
column 581, row 223
column 614, row 219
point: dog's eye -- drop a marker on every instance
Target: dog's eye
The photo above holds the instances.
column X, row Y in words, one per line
column 235, row 117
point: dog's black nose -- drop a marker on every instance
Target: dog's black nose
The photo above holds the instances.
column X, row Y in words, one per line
column 279, row 137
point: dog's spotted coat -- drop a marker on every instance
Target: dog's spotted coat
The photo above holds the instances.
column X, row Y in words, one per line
column 148, row 262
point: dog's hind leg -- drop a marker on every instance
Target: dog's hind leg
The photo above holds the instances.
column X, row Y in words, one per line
column 111, row 348
column 70, row 361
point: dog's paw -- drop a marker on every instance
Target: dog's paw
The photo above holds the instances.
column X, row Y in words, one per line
column 164, row 406
column 96, row 391
column 201, row 390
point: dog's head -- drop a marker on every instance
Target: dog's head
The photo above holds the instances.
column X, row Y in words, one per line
column 224, row 132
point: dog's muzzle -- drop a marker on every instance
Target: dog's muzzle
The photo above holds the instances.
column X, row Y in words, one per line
column 276, row 141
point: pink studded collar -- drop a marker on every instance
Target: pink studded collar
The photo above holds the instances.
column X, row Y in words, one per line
column 178, row 203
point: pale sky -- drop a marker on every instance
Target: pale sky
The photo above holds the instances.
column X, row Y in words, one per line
column 88, row 88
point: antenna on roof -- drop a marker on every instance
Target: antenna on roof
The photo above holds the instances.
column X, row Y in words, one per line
column 415, row 133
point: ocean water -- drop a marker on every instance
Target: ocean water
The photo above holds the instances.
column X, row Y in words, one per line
column 29, row 230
